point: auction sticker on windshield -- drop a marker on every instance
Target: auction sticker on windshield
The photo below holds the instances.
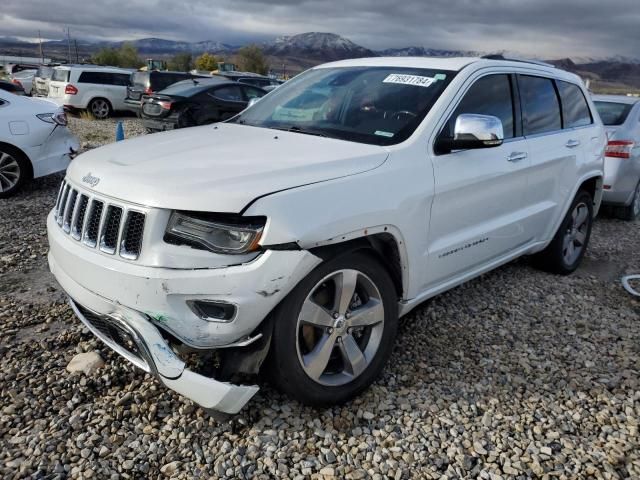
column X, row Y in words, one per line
column 415, row 80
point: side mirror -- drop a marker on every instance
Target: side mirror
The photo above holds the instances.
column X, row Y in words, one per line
column 473, row 131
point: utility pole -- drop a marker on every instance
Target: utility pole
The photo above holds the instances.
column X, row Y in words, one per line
column 68, row 45
column 40, row 42
column 75, row 42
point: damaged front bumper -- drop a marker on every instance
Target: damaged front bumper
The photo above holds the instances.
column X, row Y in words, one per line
column 137, row 309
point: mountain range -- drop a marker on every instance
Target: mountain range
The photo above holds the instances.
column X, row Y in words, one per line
column 295, row 53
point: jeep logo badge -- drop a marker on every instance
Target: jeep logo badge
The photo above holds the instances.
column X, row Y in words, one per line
column 91, row 180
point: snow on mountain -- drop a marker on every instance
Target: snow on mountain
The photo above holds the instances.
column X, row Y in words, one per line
column 326, row 46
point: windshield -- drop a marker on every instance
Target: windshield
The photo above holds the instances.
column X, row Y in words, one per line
column 613, row 113
column 376, row 105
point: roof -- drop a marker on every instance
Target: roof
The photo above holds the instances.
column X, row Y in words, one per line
column 615, row 99
column 450, row 63
column 94, row 67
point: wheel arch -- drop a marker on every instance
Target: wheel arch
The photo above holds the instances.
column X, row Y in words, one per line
column 20, row 152
column 384, row 246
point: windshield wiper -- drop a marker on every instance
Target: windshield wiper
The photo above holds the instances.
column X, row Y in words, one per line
column 296, row 129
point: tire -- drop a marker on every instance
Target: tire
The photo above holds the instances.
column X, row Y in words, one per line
column 15, row 171
column 631, row 211
column 100, row 108
column 297, row 340
column 565, row 252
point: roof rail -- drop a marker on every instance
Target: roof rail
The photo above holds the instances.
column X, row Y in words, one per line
column 499, row 56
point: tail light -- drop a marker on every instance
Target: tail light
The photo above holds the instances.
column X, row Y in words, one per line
column 16, row 82
column 165, row 105
column 148, row 91
column 70, row 90
column 619, row 148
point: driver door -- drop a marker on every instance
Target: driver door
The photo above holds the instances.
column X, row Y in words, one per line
column 478, row 213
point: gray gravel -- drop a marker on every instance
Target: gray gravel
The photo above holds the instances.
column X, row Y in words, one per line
column 516, row 374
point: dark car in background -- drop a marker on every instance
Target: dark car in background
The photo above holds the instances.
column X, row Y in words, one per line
column 257, row 80
column 198, row 101
column 41, row 80
column 147, row 83
column 11, row 87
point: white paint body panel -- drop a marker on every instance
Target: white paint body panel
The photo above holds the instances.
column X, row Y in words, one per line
column 46, row 145
column 452, row 216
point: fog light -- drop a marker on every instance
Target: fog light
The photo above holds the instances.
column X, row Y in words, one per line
column 213, row 311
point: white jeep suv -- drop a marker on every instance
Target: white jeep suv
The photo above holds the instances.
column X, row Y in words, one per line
column 290, row 239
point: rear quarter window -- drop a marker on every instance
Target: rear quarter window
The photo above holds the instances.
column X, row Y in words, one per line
column 540, row 105
column 575, row 109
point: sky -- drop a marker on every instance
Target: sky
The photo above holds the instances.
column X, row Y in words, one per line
column 539, row 28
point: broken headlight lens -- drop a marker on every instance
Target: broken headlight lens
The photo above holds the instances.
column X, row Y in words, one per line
column 224, row 235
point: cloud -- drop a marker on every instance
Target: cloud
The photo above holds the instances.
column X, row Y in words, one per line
column 541, row 28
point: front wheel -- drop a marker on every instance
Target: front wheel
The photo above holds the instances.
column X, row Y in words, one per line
column 565, row 252
column 335, row 331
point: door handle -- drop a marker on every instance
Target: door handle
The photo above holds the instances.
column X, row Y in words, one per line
column 517, row 156
column 572, row 143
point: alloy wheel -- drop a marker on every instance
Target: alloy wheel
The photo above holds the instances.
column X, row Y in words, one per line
column 100, row 108
column 576, row 235
column 9, row 172
column 340, row 327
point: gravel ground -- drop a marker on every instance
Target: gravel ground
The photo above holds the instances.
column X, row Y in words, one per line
column 515, row 374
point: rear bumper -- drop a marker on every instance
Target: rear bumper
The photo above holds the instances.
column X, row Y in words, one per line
column 55, row 153
column 159, row 125
column 621, row 177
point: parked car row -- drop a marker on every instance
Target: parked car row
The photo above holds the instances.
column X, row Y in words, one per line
column 105, row 90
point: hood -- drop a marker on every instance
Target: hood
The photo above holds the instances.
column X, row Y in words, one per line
column 219, row 168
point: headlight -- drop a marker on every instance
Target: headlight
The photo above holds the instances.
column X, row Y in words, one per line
column 226, row 234
column 59, row 118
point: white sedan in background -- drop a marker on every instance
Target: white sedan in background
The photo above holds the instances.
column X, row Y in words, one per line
column 24, row 78
column 34, row 141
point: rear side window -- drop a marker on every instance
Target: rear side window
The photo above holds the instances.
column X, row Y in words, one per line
column 613, row 113
column 230, row 93
column 575, row 110
column 540, row 106
column 104, row 78
column 491, row 95
column 60, row 75
column 44, row 72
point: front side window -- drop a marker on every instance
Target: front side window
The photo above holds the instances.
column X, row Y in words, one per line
column 575, row 109
column 540, row 105
column 613, row 113
column 490, row 95
column 375, row 105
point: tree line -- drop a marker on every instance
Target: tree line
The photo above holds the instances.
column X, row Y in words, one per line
column 248, row 59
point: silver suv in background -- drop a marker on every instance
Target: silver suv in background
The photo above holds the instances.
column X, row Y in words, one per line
column 41, row 81
column 101, row 90
column 621, row 117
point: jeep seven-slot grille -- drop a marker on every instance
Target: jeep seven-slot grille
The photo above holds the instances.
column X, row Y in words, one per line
column 97, row 222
